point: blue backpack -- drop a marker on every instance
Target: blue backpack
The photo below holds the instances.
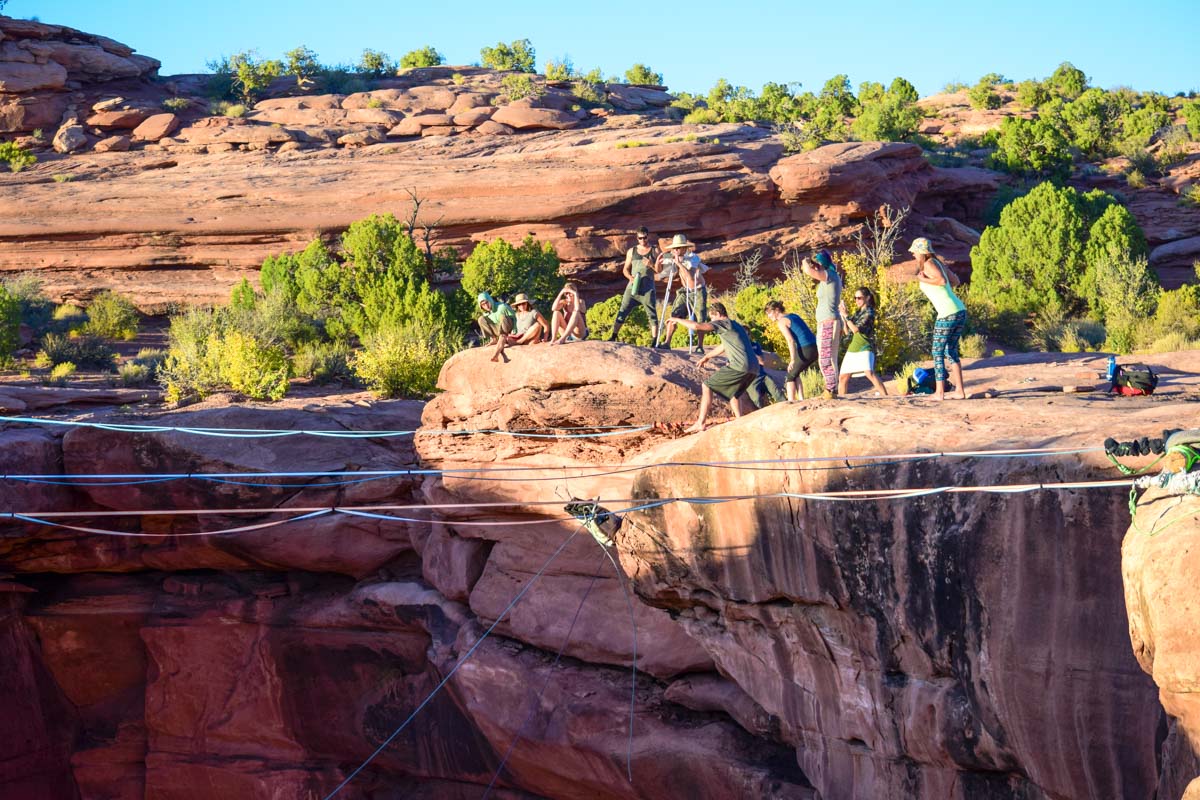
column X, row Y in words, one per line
column 922, row 382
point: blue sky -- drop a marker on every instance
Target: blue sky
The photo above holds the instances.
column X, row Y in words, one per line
column 1148, row 46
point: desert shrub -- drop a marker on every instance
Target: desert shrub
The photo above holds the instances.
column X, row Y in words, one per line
column 423, row 57
column 458, row 79
column 403, row 360
column 223, row 108
column 250, row 75
column 519, row 56
column 302, row 64
column 61, row 373
column 1114, row 238
column 192, row 368
column 1031, row 147
column 342, row 80
column 702, row 116
column 249, row 367
column 1067, row 81
column 1135, row 179
column 520, row 86
column 561, row 70
column 68, row 318
column 323, row 362
column 112, row 316
column 1138, row 127
column 1171, row 343
column 17, row 157
column 10, row 322
column 983, row 94
column 903, row 90
column 812, row 383
column 242, row 296
column 176, row 104
column 1177, row 312
column 1174, row 146
column 796, row 137
column 1036, row 257
column 36, row 309
column 83, row 351
column 888, row 117
column 1125, row 294
column 954, row 86
column 641, row 74
column 589, row 92
column 375, row 64
column 1032, row 94
column 152, row 359
column 1191, row 118
column 134, row 374
column 973, row 345
column 504, row 270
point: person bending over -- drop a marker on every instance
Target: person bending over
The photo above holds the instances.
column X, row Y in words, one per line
column 531, row 326
column 741, row 368
column 801, row 344
column 496, row 322
column 568, row 316
column 641, row 268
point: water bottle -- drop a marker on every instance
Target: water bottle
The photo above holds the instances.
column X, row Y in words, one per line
column 1112, row 368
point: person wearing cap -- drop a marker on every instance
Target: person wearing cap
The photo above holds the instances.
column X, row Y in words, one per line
column 497, row 321
column 937, row 283
column 741, row 367
column 860, row 353
column 680, row 258
column 640, row 270
column 829, row 321
column 801, row 344
column 568, row 316
column 531, row 327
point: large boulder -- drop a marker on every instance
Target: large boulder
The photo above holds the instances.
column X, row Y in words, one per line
column 128, row 118
column 858, row 175
column 155, row 127
column 17, row 77
column 70, row 138
column 521, row 115
column 23, row 113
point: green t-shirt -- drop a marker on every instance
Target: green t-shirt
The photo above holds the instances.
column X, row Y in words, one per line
column 864, row 339
column 738, row 347
column 501, row 310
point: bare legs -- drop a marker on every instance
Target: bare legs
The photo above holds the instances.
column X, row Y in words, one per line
column 735, row 406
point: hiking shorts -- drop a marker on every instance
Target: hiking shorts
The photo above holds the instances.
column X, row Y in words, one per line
column 494, row 330
column 639, row 292
column 729, row 383
column 698, row 299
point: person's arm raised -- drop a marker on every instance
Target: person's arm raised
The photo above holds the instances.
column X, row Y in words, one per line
column 699, row 327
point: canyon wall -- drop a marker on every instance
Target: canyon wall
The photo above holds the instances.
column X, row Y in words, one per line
column 952, row 645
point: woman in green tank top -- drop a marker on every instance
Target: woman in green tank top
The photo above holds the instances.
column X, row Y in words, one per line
column 937, row 283
column 639, row 270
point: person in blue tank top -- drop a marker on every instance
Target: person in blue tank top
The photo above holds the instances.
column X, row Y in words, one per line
column 801, row 344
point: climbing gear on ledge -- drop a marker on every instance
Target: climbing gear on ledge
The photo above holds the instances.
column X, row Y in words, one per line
column 1186, row 481
column 601, row 523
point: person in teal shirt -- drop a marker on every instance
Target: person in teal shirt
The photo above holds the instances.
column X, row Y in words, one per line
column 937, row 283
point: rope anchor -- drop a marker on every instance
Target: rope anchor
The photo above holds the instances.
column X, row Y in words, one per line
column 601, row 523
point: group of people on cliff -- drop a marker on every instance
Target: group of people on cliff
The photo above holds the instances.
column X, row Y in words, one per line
column 682, row 271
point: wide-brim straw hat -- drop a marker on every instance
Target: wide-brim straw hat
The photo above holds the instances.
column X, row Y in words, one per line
column 521, row 298
column 679, row 241
column 920, row 246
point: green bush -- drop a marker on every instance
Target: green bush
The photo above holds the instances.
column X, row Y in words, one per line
column 903, row 90
column 323, row 362
column 1031, row 147
column 403, row 360
column 983, row 94
column 424, row 57
column 61, row 373
column 112, row 316
column 83, row 351
column 973, row 345
column 17, row 157
column 891, row 118
column 249, row 367
column 1068, row 81
column 1092, row 122
column 519, row 56
column 375, row 64
column 643, row 75
column 36, row 309
column 192, row 369
column 251, row 75
column 1036, row 256
column 503, row 270
column 68, row 318
column 134, row 374
column 1114, row 238
column 518, row 87
column 589, row 93
column 1032, row 94
column 10, row 322
column 1191, row 118
column 562, row 70
column 176, row 104
column 702, row 116
column 302, row 64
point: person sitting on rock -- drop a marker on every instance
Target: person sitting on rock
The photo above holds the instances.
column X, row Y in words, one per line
column 568, row 316
column 680, row 258
column 860, row 354
column 531, row 327
column 497, row 321
column 640, row 261
column 801, row 344
column 741, row 369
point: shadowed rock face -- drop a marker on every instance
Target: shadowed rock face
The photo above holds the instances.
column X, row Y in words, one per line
column 953, row 646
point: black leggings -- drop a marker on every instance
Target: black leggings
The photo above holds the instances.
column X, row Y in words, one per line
column 805, row 359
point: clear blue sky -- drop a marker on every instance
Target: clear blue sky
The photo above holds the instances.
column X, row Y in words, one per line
column 1147, row 46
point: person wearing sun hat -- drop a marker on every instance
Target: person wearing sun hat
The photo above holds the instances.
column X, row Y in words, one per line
column 829, row 321
column 640, row 270
column 680, row 256
column 937, row 283
column 531, row 327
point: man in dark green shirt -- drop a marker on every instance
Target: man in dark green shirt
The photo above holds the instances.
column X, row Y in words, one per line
column 741, row 367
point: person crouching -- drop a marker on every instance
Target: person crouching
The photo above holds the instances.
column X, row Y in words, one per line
column 741, row 368
column 496, row 322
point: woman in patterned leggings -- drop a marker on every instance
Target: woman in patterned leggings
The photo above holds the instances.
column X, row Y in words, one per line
column 829, row 321
column 938, row 284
